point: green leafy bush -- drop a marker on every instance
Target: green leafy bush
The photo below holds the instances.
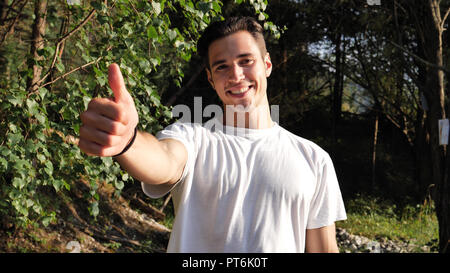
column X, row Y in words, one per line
column 38, row 129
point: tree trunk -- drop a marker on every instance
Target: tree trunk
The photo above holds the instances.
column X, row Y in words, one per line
column 436, row 99
column 422, row 156
column 285, row 70
column 40, row 12
column 374, row 151
column 338, row 86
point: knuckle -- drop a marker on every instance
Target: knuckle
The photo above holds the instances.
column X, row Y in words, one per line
column 121, row 113
column 109, row 140
column 87, row 147
column 84, row 118
column 92, row 103
column 115, row 128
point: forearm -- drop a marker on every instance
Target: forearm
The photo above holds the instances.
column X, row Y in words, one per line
column 322, row 240
column 148, row 161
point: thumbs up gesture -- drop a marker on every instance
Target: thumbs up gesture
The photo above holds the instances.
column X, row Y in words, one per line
column 108, row 123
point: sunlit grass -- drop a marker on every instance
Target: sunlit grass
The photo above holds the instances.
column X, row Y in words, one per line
column 377, row 220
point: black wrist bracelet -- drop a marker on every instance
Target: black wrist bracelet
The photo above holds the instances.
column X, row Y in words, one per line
column 129, row 144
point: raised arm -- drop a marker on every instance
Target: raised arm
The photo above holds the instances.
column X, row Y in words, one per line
column 108, row 126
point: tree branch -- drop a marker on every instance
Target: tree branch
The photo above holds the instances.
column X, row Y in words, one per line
column 66, row 36
column 15, row 20
column 427, row 63
column 60, row 41
column 444, row 18
column 71, row 71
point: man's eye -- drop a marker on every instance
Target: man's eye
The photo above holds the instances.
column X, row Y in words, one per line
column 221, row 67
column 247, row 61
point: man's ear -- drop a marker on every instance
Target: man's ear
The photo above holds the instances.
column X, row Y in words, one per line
column 268, row 64
column 208, row 73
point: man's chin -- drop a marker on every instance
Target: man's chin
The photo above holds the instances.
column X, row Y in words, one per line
column 240, row 108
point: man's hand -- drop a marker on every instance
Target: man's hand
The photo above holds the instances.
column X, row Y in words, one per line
column 108, row 123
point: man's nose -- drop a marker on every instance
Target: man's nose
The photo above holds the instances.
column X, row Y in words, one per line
column 236, row 73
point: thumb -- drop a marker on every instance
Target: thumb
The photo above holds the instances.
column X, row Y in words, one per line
column 117, row 83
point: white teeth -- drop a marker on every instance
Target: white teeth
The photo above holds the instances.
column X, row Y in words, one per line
column 240, row 91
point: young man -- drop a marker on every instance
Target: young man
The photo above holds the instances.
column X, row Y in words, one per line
column 245, row 185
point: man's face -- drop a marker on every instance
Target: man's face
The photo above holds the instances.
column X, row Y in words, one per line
column 238, row 71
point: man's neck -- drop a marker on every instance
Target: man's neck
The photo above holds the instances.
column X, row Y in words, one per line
column 254, row 118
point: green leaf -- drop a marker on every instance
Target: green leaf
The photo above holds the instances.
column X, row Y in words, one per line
column 18, row 182
column 48, row 168
column 261, row 17
column 156, row 7
column 57, row 183
column 37, row 208
column 16, row 101
column 4, row 151
column 12, row 127
column 3, row 163
column 93, row 209
column 42, row 92
column 155, row 61
column 46, row 221
column 205, row 6
column 66, row 185
column 145, row 65
column 59, row 66
column 86, row 101
column 41, row 118
column 119, row 184
column 41, row 158
column 14, row 139
column 29, row 203
column 172, row 34
column 107, row 161
column 19, row 207
column 151, row 32
column 40, row 134
column 216, row 7
column 102, row 80
column 99, row 6
column 33, row 107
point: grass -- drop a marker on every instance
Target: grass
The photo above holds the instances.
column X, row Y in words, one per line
column 377, row 219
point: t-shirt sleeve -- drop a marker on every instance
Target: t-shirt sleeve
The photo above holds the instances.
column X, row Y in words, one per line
column 327, row 205
column 183, row 132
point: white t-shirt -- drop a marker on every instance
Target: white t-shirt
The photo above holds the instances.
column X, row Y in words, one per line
column 248, row 190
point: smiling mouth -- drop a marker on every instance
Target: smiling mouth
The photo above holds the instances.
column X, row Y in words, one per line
column 239, row 92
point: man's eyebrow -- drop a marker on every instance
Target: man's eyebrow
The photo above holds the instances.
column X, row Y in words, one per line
column 218, row 62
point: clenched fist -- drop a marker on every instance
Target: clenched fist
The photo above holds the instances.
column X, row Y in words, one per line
column 109, row 123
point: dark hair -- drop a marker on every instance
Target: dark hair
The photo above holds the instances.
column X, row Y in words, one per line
column 220, row 29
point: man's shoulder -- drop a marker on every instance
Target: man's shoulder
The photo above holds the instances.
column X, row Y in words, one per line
column 179, row 125
column 305, row 145
column 179, row 130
